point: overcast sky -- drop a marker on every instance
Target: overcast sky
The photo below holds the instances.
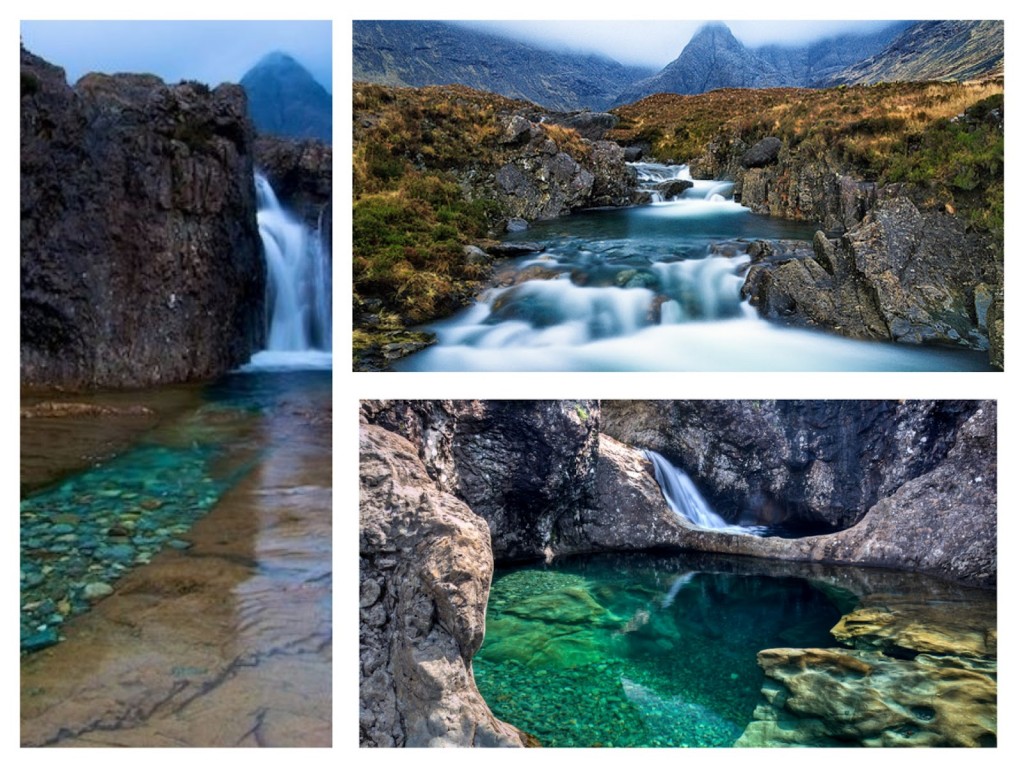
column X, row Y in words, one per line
column 656, row 43
column 209, row 51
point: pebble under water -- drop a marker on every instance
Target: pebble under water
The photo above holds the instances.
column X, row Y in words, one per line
column 638, row 650
column 79, row 536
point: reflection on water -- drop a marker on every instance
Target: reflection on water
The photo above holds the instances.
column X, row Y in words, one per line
column 223, row 637
column 638, row 650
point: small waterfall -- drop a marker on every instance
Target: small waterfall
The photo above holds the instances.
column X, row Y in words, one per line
column 298, row 278
column 685, row 500
column 298, row 287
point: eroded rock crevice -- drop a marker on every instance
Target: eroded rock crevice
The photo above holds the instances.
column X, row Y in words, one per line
column 448, row 487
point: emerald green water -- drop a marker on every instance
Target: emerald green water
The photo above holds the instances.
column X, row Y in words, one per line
column 82, row 533
column 638, row 650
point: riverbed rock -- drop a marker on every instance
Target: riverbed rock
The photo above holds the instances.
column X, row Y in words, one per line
column 841, row 697
column 899, row 275
column 140, row 255
column 425, row 568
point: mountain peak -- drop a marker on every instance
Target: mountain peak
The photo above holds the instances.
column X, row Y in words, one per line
column 286, row 100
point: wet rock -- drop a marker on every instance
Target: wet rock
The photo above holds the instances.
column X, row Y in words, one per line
column 432, row 611
column 838, row 697
column 899, row 275
column 514, row 224
column 96, row 590
column 673, row 188
column 514, row 248
column 899, row 626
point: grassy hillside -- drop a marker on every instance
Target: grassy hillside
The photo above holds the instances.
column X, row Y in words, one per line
column 944, row 138
column 416, row 154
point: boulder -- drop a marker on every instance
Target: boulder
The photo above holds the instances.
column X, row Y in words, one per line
column 900, row 274
column 673, row 188
column 763, row 153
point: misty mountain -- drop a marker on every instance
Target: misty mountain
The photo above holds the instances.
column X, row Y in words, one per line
column 814, row 63
column 416, row 53
column 285, row 99
column 933, row 50
column 714, row 58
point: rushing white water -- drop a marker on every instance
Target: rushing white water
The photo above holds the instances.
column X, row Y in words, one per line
column 644, row 288
column 686, row 501
column 298, row 288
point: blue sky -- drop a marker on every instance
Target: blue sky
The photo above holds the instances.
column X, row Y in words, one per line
column 209, row 51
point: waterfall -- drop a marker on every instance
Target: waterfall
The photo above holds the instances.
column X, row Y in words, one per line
column 298, row 286
column 685, row 500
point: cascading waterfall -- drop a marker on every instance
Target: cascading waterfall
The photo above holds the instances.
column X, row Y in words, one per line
column 298, row 286
column 649, row 287
column 686, row 501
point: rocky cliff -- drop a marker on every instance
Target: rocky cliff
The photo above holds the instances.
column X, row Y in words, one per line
column 908, row 485
column 140, row 256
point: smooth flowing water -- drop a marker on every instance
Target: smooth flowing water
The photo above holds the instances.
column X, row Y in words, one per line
column 298, row 278
column 638, row 650
column 642, row 289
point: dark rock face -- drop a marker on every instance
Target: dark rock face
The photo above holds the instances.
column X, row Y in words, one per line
column 527, row 468
column 940, row 521
column 820, row 462
column 420, row 53
column 901, row 274
column 424, row 576
column 140, row 256
column 285, row 100
column 299, row 170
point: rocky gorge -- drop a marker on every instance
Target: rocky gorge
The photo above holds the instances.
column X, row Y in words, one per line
column 175, row 556
column 910, row 243
column 449, row 488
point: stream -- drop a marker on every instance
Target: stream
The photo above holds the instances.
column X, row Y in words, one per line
column 643, row 289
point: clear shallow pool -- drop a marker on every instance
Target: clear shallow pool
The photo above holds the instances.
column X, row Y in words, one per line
column 638, row 650
column 83, row 532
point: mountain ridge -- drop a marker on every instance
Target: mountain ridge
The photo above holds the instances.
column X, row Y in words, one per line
column 419, row 53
